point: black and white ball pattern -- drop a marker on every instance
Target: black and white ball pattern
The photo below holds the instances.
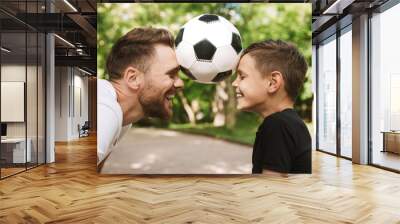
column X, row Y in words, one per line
column 208, row 48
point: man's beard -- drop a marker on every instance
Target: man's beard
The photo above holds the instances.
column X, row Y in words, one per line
column 153, row 104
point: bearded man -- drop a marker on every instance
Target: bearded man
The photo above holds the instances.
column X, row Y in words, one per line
column 143, row 78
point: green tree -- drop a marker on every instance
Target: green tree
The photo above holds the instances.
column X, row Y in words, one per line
column 200, row 103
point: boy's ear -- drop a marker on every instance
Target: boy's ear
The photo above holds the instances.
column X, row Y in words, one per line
column 275, row 81
column 133, row 78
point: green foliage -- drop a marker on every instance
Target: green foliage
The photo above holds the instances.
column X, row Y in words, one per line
column 244, row 131
column 255, row 22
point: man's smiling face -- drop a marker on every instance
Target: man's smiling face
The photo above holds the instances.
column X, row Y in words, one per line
column 161, row 83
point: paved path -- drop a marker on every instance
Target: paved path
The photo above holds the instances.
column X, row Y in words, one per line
column 157, row 151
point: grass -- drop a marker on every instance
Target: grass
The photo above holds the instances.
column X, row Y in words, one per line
column 244, row 131
column 235, row 135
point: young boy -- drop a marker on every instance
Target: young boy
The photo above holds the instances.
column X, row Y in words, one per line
column 270, row 75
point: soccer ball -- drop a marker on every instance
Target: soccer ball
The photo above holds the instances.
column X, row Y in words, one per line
column 208, row 48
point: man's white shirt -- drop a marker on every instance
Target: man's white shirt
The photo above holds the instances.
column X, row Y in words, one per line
column 109, row 119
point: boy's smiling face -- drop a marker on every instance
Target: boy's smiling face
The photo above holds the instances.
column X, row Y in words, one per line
column 251, row 86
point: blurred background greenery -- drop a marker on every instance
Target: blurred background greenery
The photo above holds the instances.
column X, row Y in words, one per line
column 210, row 109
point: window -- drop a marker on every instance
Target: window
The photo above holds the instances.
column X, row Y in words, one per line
column 345, row 92
column 327, row 95
column 385, row 88
column 23, row 88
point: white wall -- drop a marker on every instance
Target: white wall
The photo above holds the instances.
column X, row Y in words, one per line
column 13, row 73
column 16, row 73
column 61, row 103
column 71, row 94
column 80, row 110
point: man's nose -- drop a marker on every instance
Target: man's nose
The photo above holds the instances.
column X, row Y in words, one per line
column 178, row 84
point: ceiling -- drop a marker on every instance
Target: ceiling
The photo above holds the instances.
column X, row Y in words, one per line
column 330, row 15
column 74, row 22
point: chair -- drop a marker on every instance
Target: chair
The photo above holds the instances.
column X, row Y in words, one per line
column 84, row 130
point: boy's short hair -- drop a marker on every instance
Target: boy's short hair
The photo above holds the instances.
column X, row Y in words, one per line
column 136, row 48
column 277, row 55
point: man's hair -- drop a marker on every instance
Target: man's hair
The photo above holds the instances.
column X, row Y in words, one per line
column 136, row 48
column 277, row 55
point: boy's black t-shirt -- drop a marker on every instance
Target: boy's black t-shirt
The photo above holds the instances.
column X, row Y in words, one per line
column 282, row 144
